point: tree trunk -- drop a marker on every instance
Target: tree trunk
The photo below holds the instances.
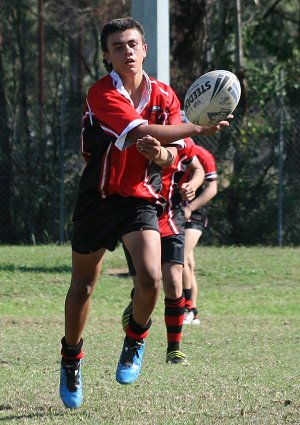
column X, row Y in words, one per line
column 192, row 41
column 28, row 199
column 7, row 235
column 240, row 69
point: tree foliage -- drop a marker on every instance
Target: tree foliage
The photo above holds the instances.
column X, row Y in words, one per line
column 50, row 54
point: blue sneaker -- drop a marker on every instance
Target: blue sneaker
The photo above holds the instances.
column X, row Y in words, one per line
column 130, row 363
column 70, row 389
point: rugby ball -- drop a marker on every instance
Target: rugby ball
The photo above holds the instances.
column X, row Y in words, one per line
column 212, row 97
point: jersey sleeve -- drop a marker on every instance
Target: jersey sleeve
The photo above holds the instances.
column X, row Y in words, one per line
column 113, row 111
column 190, row 147
column 174, row 107
column 208, row 163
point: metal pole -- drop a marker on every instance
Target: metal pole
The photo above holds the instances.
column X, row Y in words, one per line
column 154, row 15
column 280, row 161
column 62, row 163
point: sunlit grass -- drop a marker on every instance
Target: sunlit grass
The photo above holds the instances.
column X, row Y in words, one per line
column 244, row 358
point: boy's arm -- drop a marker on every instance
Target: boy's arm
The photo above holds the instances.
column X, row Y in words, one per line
column 171, row 133
column 209, row 192
column 188, row 189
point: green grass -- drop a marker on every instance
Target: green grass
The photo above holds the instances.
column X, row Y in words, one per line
column 244, row 358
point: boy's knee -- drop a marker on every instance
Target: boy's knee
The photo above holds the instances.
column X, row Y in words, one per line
column 82, row 289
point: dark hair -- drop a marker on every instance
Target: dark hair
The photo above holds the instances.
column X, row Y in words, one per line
column 115, row 25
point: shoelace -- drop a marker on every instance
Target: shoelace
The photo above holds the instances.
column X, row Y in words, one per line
column 71, row 366
column 134, row 349
column 72, row 372
column 129, row 352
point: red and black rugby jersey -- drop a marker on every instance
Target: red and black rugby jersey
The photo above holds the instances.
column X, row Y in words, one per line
column 170, row 222
column 114, row 165
column 208, row 163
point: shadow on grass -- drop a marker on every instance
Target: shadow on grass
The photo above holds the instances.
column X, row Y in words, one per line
column 37, row 269
column 57, row 269
column 118, row 272
column 12, row 417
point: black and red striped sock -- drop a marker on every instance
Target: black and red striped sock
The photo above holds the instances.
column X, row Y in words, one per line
column 195, row 311
column 174, row 313
column 71, row 352
column 135, row 331
column 188, row 299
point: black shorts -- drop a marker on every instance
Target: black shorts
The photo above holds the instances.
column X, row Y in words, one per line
column 172, row 251
column 198, row 220
column 107, row 220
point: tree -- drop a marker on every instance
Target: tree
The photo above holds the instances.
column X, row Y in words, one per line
column 257, row 40
column 7, row 234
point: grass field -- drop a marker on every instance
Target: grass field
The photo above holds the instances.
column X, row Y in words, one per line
column 244, row 358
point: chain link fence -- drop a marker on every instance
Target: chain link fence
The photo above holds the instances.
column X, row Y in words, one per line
column 258, row 166
column 258, row 163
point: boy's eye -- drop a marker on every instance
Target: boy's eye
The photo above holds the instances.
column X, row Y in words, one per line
column 131, row 45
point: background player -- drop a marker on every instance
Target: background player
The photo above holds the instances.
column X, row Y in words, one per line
column 171, row 226
column 196, row 221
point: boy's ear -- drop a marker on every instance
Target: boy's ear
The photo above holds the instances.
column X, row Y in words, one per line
column 106, row 57
column 145, row 50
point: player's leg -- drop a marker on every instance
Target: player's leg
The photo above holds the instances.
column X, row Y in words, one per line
column 190, row 288
column 144, row 250
column 195, row 318
column 85, row 271
column 174, row 311
column 128, row 309
column 194, row 283
column 191, row 238
column 187, row 282
column 172, row 265
column 97, row 224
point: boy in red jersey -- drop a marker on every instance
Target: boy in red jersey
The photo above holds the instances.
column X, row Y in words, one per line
column 119, row 194
column 171, row 227
column 172, row 233
column 196, row 221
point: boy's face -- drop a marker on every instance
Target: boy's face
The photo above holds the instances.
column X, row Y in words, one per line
column 126, row 51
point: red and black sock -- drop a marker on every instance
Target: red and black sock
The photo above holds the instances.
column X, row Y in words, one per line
column 71, row 352
column 188, row 299
column 174, row 313
column 195, row 311
column 136, row 332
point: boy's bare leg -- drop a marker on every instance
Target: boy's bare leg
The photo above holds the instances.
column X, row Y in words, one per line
column 85, row 272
